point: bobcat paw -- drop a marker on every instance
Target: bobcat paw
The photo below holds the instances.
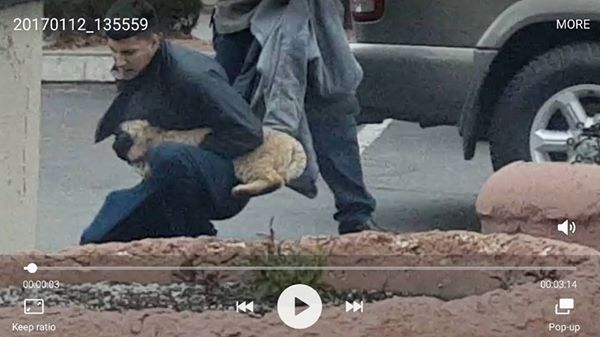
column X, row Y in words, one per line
column 142, row 169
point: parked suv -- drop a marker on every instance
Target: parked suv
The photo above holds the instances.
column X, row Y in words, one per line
column 525, row 74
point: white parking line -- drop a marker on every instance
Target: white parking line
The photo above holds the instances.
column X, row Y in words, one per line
column 370, row 133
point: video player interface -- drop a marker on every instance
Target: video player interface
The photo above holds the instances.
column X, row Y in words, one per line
column 243, row 168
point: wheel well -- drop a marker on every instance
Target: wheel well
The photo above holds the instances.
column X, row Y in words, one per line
column 517, row 52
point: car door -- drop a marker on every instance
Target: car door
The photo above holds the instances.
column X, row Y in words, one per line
column 418, row 56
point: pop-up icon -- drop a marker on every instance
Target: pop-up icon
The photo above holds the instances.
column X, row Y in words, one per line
column 564, row 306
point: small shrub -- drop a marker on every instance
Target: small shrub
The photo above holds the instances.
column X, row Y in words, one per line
column 268, row 284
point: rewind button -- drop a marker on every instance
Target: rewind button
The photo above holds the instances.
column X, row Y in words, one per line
column 244, row 307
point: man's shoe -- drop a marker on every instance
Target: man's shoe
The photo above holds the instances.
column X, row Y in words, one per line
column 348, row 227
column 209, row 230
column 205, row 228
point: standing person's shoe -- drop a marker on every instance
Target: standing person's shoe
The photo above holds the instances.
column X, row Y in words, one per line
column 348, row 227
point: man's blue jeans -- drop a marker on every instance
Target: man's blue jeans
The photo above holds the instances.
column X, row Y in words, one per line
column 187, row 188
column 334, row 139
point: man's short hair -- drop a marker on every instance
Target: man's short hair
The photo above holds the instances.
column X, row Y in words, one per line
column 139, row 9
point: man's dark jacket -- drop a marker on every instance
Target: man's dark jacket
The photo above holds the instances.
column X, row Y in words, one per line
column 181, row 89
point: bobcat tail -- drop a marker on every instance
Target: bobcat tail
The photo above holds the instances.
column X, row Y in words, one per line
column 298, row 162
column 258, row 187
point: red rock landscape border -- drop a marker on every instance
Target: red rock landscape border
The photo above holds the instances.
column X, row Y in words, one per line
column 518, row 311
column 534, row 198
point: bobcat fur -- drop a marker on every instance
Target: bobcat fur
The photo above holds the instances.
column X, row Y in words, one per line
column 280, row 159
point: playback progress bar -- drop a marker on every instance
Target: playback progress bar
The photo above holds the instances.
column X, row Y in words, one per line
column 32, row 268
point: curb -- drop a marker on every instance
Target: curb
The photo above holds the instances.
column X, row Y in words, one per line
column 79, row 66
column 76, row 66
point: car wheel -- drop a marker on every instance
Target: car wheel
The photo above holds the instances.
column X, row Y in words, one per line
column 549, row 111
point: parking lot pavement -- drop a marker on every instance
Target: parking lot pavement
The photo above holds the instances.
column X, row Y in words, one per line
column 418, row 177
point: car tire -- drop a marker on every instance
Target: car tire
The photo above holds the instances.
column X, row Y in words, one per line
column 527, row 92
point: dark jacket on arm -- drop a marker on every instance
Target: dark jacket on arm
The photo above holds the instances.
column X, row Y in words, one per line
column 182, row 89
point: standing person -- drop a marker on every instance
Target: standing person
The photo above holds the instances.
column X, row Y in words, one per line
column 331, row 120
column 175, row 87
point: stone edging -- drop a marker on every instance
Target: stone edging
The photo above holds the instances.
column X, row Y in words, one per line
column 78, row 66
column 521, row 310
column 371, row 248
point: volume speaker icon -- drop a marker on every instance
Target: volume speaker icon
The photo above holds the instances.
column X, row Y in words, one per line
column 567, row 227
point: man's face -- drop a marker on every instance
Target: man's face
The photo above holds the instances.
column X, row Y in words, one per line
column 132, row 55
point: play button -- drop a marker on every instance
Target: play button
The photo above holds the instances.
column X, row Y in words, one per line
column 299, row 306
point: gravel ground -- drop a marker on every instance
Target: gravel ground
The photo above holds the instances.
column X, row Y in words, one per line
column 178, row 297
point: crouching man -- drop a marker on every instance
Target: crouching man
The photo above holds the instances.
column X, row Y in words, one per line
column 173, row 87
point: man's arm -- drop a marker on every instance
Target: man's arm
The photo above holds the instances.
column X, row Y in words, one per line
column 235, row 129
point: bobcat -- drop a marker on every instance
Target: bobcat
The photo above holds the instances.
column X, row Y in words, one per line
column 280, row 159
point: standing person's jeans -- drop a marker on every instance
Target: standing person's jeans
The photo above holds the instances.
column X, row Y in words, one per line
column 187, row 188
column 232, row 50
column 334, row 139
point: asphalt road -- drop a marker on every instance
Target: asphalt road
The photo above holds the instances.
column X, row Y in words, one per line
column 417, row 175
